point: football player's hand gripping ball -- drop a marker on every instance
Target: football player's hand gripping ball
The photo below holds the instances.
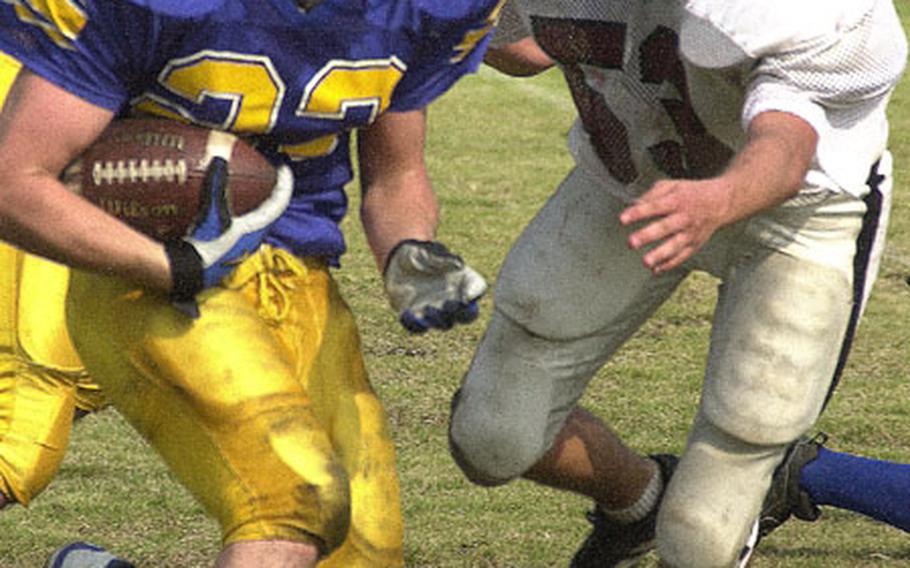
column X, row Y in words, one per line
column 430, row 287
column 218, row 241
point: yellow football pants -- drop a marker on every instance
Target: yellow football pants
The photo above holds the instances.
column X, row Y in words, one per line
column 41, row 378
column 261, row 407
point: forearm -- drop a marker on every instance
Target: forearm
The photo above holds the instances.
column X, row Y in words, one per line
column 398, row 200
column 683, row 214
column 522, row 58
column 398, row 209
column 428, row 286
column 513, row 50
column 771, row 167
column 42, row 129
column 39, row 215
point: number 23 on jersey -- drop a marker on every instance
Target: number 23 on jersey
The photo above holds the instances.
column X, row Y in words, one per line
column 252, row 91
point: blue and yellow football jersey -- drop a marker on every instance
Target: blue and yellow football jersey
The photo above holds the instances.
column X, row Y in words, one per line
column 296, row 82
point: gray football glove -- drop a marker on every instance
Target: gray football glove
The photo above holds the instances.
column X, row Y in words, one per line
column 430, row 287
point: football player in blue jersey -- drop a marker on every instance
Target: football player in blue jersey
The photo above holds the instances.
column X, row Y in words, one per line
column 260, row 403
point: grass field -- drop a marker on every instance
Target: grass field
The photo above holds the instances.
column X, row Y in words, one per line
column 496, row 151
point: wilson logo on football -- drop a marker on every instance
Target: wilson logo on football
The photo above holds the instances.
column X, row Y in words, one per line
column 139, row 171
column 133, row 209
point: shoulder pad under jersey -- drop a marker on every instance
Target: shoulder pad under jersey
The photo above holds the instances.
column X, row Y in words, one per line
column 717, row 33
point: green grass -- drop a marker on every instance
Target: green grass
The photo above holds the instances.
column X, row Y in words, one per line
column 496, row 150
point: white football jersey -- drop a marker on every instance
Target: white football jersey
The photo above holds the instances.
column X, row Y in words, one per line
column 622, row 61
column 755, row 29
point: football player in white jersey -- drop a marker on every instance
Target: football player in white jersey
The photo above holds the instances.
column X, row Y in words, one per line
column 744, row 139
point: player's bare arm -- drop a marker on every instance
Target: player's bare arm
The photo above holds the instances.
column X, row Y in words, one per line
column 42, row 129
column 428, row 286
column 398, row 201
column 522, row 58
column 513, row 50
column 681, row 215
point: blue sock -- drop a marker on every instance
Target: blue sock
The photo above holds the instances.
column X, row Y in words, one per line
column 877, row 489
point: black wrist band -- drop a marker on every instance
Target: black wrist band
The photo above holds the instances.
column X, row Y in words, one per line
column 186, row 270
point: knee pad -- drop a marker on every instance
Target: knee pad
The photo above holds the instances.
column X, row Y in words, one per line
column 516, row 397
column 285, row 484
column 770, row 368
column 489, row 452
column 714, row 498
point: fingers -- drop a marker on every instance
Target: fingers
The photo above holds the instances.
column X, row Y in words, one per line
column 674, row 241
column 214, row 217
column 430, row 287
column 670, row 254
column 662, row 228
column 412, row 323
column 642, row 211
column 657, row 202
column 473, row 284
column 430, row 317
column 467, row 313
column 669, row 227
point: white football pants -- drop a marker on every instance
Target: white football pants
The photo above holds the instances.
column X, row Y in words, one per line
column 793, row 284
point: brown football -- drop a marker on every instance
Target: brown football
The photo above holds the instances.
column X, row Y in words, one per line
column 150, row 173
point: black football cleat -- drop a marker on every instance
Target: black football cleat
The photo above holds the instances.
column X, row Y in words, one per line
column 617, row 545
